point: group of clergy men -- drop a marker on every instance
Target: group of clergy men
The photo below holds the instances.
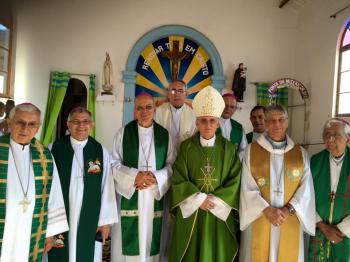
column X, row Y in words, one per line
column 179, row 185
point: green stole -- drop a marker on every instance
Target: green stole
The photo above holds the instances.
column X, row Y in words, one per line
column 249, row 137
column 129, row 207
column 236, row 133
column 90, row 210
column 320, row 249
column 43, row 171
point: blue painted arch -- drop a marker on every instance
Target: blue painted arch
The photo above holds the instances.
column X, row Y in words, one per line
column 129, row 75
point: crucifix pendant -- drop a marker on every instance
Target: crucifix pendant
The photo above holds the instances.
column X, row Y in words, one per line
column 146, row 166
column 332, row 207
column 208, row 167
column 278, row 192
column 332, row 196
column 24, row 203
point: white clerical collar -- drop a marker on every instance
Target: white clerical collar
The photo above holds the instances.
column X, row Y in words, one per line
column 176, row 110
column 263, row 141
column 19, row 147
column 336, row 161
column 207, row 143
column 76, row 142
column 145, row 129
column 277, row 144
column 225, row 121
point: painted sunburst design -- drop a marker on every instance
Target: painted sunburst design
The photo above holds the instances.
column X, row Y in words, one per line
column 154, row 73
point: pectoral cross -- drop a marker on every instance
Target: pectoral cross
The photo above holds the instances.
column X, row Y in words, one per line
column 278, row 192
column 146, row 166
column 24, row 203
column 207, row 177
column 332, row 195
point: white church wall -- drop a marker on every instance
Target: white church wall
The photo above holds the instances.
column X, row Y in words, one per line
column 74, row 36
column 316, row 51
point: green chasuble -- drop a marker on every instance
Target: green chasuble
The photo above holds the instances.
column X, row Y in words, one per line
column 203, row 236
column 90, row 210
column 129, row 207
column 249, row 137
column 43, row 171
column 236, row 133
column 320, row 249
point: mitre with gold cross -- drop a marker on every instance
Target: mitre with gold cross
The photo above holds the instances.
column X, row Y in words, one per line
column 208, row 102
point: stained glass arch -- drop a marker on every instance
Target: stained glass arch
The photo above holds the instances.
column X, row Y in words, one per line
column 149, row 67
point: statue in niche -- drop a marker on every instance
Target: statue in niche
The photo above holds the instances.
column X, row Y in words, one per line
column 175, row 57
column 239, row 82
column 107, row 76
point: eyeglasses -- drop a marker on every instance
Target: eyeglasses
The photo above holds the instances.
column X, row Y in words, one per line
column 80, row 123
column 147, row 108
column 179, row 91
column 24, row 124
column 279, row 120
column 329, row 136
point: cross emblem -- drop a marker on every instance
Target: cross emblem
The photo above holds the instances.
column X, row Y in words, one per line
column 278, row 192
column 24, row 203
column 175, row 56
column 146, row 166
column 207, row 179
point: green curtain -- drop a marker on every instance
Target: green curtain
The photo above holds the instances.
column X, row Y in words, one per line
column 264, row 99
column 91, row 102
column 57, row 90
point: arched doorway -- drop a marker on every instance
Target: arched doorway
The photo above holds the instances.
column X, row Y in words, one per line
column 75, row 96
column 149, row 67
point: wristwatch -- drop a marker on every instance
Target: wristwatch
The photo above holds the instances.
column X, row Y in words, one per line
column 290, row 208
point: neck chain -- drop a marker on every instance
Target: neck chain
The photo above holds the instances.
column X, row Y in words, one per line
column 149, row 152
column 208, row 159
column 278, row 192
column 177, row 130
column 25, row 202
column 338, row 161
column 81, row 167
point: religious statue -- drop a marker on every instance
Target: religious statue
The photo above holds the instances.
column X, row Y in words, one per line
column 239, row 79
column 107, row 76
column 175, row 57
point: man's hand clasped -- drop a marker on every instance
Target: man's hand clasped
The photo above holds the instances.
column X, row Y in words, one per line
column 144, row 179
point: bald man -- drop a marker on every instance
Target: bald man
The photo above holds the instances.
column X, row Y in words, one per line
column 143, row 153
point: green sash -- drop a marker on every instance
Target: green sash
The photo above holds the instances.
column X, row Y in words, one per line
column 320, row 249
column 236, row 133
column 249, row 137
column 90, row 210
column 43, row 170
column 129, row 207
